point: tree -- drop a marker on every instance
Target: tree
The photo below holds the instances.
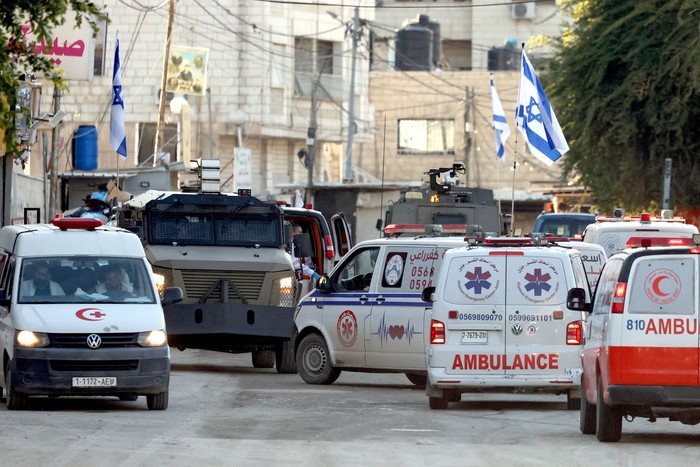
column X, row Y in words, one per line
column 626, row 82
column 17, row 57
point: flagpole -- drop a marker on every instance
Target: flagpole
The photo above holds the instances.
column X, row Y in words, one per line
column 512, row 201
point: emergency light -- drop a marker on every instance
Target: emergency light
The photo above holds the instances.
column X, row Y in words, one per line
column 87, row 223
column 646, row 242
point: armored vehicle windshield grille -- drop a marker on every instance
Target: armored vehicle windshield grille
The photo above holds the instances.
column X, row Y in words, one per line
column 200, row 281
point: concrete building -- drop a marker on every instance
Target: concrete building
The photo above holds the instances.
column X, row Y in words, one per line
column 275, row 70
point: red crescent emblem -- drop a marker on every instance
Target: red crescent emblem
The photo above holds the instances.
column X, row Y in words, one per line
column 90, row 314
column 655, row 286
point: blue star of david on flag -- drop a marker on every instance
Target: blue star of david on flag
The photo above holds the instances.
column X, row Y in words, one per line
column 537, row 282
column 117, row 130
column 478, row 280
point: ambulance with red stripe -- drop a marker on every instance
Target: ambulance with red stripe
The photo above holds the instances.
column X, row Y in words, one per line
column 613, row 232
column 642, row 357
column 501, row 321
column 367, row 314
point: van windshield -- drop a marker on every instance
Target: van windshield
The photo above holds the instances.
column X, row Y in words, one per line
column 85, row 279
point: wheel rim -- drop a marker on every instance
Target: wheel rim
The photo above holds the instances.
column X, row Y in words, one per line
column 315, row 359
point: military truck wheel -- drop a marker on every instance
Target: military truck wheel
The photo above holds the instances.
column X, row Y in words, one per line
column 157, row 401
column 263, row 358
column 314, row 361
column 284, row 357
column 14, row 399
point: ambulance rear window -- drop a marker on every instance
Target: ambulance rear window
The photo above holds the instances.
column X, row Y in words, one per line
column 663, row 285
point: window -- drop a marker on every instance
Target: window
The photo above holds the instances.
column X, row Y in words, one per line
column 426, row 136
column 356, row 274
column 146, row 141
column 317, row 65
column 100, row 41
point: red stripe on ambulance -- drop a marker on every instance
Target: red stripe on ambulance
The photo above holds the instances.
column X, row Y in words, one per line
column 500, row 361
column 651, row 366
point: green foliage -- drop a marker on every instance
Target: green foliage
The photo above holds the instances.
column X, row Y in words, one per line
column 625, row 84
column 16, row 57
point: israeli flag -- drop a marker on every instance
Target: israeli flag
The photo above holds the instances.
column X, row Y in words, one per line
column 500, row 125
column 536, row 120
column 117, row 133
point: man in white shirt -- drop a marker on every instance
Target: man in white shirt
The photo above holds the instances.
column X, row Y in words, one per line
column 41, row 284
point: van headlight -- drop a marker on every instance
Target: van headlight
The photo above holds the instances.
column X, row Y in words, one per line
column 155, row 338
column 31, row 339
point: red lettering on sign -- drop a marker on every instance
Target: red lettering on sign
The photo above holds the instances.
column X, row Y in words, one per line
column 672, row 326
column 498, row 361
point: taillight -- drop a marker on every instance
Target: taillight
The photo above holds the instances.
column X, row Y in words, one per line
column 618, row 300
column 330, row 252
column 437, row 332
column 574, row 333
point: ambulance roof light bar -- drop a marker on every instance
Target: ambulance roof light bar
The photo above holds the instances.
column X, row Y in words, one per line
column 425, row 229
column 508, row 241
column 646, row 242
column 87, row 223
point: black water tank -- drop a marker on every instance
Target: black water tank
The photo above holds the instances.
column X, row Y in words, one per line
column 414, row 48
column 434, row 26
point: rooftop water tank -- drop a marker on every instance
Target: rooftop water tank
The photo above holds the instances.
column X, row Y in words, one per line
column 84, row 148
column 414, row 48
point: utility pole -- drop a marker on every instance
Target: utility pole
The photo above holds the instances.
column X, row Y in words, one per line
column 468, row 131
column 55, row 139
column 311, row 141
column 351, row 105
column 163, row 83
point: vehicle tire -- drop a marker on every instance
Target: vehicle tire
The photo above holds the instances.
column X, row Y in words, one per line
column 157, row 401
column 314, row 361
column 263, row 358
column 14, row 399
column 609, row 419
column 572, row 403
column 587, row 415
column 438, row 403
column 128, row 397
column 284, row 357
column 417, row 379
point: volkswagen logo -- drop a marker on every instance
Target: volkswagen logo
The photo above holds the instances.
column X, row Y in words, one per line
column 94, row 341
column 516, row 329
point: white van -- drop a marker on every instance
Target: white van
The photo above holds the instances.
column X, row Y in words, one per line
column 500, row 321
column 614, row 233
column 641, row 356
column 80, row 314
column 368, row 313
column 592, row 255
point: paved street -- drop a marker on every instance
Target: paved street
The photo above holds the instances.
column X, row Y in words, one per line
column 224, row 412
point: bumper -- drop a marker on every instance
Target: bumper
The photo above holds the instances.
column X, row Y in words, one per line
column 657, row 396
column 570, row 380
column 51, row 371
column 227, row 326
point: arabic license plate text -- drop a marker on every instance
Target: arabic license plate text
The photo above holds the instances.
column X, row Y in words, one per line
column 475, row 337
column 94, row 382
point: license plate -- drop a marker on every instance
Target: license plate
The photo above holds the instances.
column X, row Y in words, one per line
column 94, row 382
column 475, row 337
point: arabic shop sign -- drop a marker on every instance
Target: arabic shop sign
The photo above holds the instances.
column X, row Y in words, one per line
column 70, row 49
column 187, row 70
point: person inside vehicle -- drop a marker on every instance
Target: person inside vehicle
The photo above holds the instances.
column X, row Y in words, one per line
column 41, row 284
column 114, row 285
column 306, row 263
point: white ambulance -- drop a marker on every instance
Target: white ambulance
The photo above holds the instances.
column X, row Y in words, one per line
column 642, row 356
column 592, row 255
column 614, row 232
column 501, row 320
column 80, row 314
column 368, row 313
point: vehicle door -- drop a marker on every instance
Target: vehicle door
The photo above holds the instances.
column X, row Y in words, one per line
column 394, row 336
column 342, row 236
column 660, row 319
column 7, row 330
column 347, row 308
column 474, row 295
column 537, row 316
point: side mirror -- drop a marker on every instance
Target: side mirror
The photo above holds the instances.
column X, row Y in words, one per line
column 427, row 294
column 576, row 300
column 302, row 245
column 172, row 295
column 323, row 284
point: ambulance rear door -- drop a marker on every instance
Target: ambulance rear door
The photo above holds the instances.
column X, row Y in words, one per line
column 536, row 313
column 474, row 313
column 659, row 329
